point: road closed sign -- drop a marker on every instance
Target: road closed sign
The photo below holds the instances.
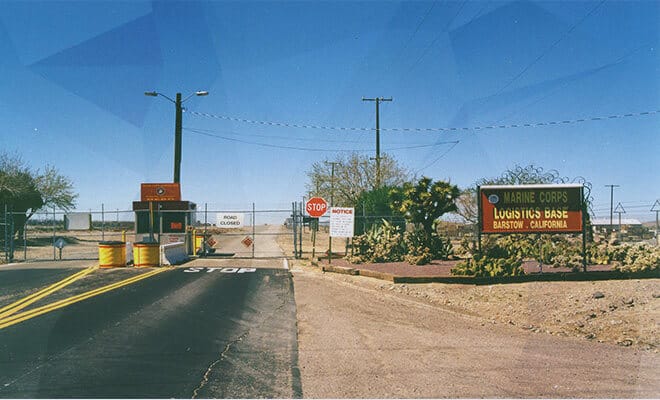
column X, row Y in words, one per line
column 230, row 220
column 342, row 222
column 316, row 207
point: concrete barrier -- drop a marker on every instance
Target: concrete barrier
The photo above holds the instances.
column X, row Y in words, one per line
column 173, row 253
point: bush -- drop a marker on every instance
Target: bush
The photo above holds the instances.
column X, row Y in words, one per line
column 485, row 266
column 385, row 243
column 422, row 248
column 636, row 258
column 380, row 244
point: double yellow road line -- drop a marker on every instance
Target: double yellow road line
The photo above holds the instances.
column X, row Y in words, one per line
column 9, row 316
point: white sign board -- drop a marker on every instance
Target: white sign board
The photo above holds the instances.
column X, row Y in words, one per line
column 78, row 221
column 342, row 222
column 230, row 220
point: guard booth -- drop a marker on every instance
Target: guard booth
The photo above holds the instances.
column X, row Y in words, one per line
column 162, row 215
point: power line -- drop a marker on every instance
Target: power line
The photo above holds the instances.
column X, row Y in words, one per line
column 437, row 159
column 419, row 25
column 199, row 132
column 439, row 129
column 445, row 30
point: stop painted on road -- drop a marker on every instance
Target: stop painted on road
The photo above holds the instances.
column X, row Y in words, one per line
column 222, row 270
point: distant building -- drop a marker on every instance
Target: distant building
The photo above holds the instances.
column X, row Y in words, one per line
column 603, row 224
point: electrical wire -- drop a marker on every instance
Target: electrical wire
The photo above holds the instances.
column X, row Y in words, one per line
column 199, row 132
column 447, row 129
column 419, row 25
column 437, row 159
column 443, row 31
column 552, row 46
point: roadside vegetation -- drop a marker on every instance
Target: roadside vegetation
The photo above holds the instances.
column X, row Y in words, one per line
column 401, row 221
column 24, row 190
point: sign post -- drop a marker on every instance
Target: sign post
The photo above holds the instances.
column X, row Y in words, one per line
column 315, row 207
column 656, row 208
column 342, row 223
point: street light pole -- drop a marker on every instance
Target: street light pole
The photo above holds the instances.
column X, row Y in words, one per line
column 178, row 127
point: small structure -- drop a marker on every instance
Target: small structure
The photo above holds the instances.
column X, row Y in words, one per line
column 161, row 216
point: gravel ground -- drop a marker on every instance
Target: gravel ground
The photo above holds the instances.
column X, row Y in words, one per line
column 622, row 312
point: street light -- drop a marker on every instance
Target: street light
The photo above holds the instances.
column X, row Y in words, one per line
column 177, row 127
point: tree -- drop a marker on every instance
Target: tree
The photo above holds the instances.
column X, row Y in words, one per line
column 422, row 204
column 24, row 191
column 374, row 206
column 426, row 201
column 354, row 174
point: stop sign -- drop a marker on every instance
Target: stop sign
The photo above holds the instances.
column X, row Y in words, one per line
column 316, row 207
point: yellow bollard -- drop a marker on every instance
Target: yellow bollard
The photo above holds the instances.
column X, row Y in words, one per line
column 112, row 254
column 146, row 254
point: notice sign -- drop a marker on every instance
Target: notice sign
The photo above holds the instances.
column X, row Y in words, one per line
column 230, row 220
column 342, row 222
column 531, row 209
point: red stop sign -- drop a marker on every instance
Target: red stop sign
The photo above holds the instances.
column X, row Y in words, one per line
column 316, row 207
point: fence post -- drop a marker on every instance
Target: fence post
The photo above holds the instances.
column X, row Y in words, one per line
column 293, row 227
column 302, row 228
column 254, row 225
column 54, row 255
column 203, row 246
column 102, row 221
column 25, row 240
column 11, row 235
column 5, row 246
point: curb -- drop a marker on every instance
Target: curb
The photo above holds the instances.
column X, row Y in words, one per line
column 473, row 280
column 340, row 270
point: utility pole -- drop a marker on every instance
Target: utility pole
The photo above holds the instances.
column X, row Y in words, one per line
column 332, row 203
column 611, row 204
column 377, row 100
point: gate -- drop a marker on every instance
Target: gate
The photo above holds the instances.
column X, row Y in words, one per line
column 248, row 232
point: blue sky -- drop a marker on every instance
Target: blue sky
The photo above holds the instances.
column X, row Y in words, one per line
column 74, row 74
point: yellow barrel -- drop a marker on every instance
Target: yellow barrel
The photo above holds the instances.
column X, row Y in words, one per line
column 112, row 254
column 146, row 254
column 198, row 243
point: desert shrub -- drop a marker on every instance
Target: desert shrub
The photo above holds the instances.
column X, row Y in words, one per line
column 636, row 258
column 422, row 248
column 485, row 266
column 380, row 244
column 599, row 253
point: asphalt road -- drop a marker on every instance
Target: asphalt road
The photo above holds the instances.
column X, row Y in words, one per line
column 197, row 332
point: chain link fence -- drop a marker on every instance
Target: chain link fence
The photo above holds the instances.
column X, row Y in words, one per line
column 209, row 230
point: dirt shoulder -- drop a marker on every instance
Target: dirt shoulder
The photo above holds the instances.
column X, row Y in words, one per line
column 362, row 337
column 622, row 312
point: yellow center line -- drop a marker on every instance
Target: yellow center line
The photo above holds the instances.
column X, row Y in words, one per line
column 34, row 297
column 24, row 316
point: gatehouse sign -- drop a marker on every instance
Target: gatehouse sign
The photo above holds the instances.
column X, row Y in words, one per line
column 531, row 209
